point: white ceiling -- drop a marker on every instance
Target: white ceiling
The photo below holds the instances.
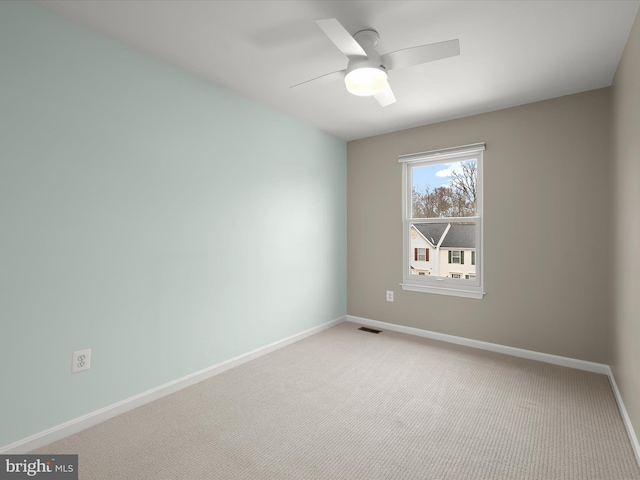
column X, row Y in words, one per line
column 512, row 52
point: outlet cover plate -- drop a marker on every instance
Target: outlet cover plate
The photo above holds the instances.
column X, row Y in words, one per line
column 81, row 360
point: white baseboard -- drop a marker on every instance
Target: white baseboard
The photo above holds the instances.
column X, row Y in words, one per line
column 73, row 426
column 625, row 417
column 493, row 347
column 81, row 423
column 517, row 352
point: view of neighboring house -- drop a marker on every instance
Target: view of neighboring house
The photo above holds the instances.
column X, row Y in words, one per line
column 444, row 250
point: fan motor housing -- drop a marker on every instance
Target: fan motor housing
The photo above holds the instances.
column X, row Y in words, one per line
column 368, row 40
column 367, row 37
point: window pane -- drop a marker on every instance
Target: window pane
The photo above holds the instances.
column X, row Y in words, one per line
column 448, row 241
column 444, row 190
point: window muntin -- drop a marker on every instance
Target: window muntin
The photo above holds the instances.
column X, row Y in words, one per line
column 448, row 216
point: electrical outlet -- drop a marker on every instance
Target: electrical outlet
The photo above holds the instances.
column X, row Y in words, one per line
column 81, row 360
column 389, row 296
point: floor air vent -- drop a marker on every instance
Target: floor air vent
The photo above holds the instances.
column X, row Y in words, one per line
column 370, row 330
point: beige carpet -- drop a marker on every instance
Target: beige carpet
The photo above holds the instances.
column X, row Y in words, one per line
column 345, row 404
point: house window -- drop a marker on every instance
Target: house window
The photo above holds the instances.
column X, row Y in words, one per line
column 442, row 219
column 421, row 254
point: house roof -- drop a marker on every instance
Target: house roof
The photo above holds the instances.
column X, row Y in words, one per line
column 460, row 235
column 431, row 231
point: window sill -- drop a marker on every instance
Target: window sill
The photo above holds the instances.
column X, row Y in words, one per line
column 455, row 292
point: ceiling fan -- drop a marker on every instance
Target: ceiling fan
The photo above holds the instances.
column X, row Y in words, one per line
column 366, row 72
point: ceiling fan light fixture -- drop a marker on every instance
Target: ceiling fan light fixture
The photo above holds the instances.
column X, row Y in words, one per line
column 365, row 81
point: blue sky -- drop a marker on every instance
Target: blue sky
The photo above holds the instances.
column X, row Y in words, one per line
column 435, row 175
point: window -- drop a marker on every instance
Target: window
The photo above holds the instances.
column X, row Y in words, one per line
column 442, row 212
column 421, row 254
column 456, row 256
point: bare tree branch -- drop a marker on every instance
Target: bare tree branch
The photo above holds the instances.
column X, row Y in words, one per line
column 458, row 199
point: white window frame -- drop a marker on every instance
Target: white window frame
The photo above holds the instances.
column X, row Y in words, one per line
column 431, row 283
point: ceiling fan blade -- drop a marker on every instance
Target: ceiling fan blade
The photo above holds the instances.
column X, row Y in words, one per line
column 341, row 38
column 386, row 96
column 322, row 78
column 422, row 54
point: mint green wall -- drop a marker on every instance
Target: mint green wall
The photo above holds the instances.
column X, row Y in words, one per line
column 159, row 220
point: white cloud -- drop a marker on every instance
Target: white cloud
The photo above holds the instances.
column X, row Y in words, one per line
column 451, row 167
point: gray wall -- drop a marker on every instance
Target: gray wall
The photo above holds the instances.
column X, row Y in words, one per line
column 163, row 222
column 546, row 228
column 625, row 335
